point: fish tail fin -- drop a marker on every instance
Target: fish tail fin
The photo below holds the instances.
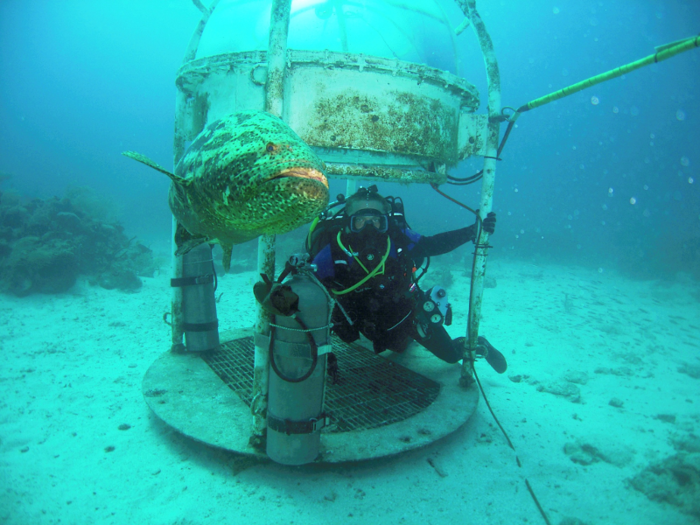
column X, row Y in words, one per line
column 152, row 164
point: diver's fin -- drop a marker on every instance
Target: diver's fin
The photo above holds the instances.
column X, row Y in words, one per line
column 152, row 164
column 493, row 357
column 228, row 251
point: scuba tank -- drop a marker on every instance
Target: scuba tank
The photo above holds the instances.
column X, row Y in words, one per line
column 299, row 344
column 198, row 302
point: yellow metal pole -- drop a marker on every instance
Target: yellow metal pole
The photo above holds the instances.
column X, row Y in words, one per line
column 662, row 53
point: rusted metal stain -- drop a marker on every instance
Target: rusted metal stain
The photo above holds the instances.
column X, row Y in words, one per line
column 199, row 110
column 378, row 173
column 400, row 122
column 473, row 135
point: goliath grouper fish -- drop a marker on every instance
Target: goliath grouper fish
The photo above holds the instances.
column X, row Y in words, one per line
column 242, row 176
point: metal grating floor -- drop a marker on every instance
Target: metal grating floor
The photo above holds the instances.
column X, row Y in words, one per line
column 370, row 392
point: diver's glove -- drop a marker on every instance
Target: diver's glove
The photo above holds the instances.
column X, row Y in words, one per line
column 489, row 223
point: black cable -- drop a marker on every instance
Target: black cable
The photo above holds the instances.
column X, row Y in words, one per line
column 477, row 247
column 314, row 354
column 456, row 181
column 478, row 382
column 423, row 272
column 510, row 444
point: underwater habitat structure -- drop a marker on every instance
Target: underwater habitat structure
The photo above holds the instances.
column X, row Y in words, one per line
column 356, row 84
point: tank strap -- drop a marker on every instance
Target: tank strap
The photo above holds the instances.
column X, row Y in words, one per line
column 192, row 281
column 201, row 327
column 287, row 426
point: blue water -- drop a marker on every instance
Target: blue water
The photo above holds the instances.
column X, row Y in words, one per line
column 607, row 179
column 82, row 81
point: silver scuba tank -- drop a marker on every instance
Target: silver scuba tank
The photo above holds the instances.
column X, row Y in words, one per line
column 201, row 326
column 297, row 376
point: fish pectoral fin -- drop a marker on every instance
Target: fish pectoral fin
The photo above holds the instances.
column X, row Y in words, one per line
column 152, row 164
column 185, row 241
column 228, row 251
column 185, row 247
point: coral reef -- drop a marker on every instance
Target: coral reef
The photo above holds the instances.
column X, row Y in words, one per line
column 45, row 244
column 589, row 450
column 675, row 480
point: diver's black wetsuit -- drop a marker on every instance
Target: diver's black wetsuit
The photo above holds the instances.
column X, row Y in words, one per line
column 384, row 307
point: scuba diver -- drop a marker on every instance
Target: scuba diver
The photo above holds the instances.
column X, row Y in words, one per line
column 367, row 256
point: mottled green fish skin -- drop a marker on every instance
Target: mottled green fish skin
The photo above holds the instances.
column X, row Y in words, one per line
column 230, row 194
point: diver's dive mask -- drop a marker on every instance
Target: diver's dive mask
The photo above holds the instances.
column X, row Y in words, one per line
column 369, row 217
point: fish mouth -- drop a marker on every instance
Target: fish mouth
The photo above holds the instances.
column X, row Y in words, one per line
column 301, row 173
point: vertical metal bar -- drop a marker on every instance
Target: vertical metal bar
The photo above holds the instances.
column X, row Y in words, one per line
column 342, row 25
column 193, row 45
column 177, row 325
column 350, row 186
column 277, row 56
column 489, row 176
column 179, row 140
column 274, row 103
column 261, row 369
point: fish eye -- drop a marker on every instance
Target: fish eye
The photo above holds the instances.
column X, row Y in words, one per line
column 270, row 148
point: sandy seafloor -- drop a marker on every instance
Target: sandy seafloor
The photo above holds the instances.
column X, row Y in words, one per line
column 71, row 374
